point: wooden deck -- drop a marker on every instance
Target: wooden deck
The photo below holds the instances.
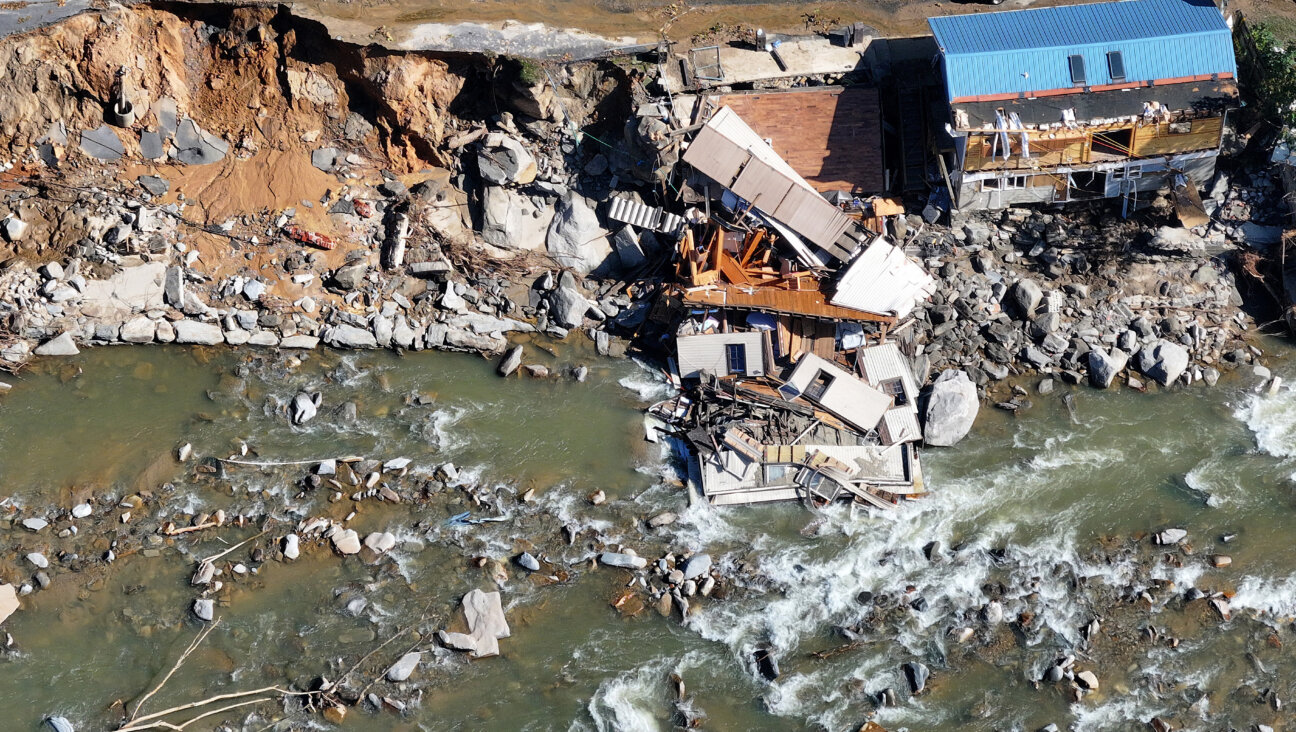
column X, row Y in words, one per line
column 808, row 303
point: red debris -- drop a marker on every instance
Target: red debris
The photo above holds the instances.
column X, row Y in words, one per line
column 297, row 233
column 363, row 209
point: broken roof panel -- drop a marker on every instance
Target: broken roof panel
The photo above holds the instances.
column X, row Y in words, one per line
column 883, row 280
column 837, row 391
column 830, row 135
column 732, row 154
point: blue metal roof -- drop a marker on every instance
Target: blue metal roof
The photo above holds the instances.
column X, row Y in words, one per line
column 1026, row 50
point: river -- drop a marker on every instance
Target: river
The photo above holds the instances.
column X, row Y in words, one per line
column 1035, row 501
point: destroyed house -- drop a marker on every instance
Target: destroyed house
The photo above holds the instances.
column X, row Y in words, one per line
column 722, row 354
column 822, row 434
column 1082, row 102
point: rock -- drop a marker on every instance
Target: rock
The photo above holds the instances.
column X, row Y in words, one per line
column 299, row 341
column 505, row 161
column 194, row 332
column 1177, row 240
column 916, row 673
column 486, row 621
column 526, row 561
column 1163, row 361
column 303, row 407
column 625, row 561
column 1103, row 367
column 576, row 239
column 154, row 185
column 1087, row 680
column 349, row 336
column 8, row 601
column 951, row 408
column 346, row 541
column 662, row 519
column 38, row 560
column 1221, row 606
column 457, row 641
column 1025, row 296
column 380, row 543
column 325, row 158
column 402, row 669
column 1219, row 561
column 1170, row 537
column 14, row 228
column 349, row 277
column 205, row 609
column 102, row 143
column 173, row 289
column 59, row 724
column 511, row 361
column 60, row 345
column 291, row 546
column 82, row 510
column 628, row 248
column 567, row 305
column 36, row 525
column 696, row 566
column 138, row 330
column 192, row 145
column 253, row 290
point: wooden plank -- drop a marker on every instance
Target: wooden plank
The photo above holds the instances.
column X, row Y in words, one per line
column 1188, row 205
column 731, row 271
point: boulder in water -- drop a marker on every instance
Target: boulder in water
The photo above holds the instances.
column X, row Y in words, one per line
column 916, row 673
column 951, row 408
column 304, row 406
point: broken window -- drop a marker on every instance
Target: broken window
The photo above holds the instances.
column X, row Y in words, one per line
column 1116, row 65
column 777, row 474
column 1077, row 70
column 895, row 388
column 1006, row 183
column 819, row 385
column 736, row 358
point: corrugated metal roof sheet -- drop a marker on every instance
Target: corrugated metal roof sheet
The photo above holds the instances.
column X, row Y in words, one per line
column 1026, row 50
column 883, row 280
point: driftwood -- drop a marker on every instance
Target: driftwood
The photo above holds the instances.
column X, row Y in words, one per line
column 192, row 646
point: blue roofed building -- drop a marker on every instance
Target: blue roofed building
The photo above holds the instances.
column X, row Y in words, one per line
column 1076, row 102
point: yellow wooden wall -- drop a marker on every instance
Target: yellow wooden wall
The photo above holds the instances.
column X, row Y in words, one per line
column 1153, row 140
column 1150, row 140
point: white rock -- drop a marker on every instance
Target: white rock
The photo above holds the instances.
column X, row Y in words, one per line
column 380, row 543
column 35, row 524
column 402, row 669
column 205, row 609
column 81, row 510
column 346, row 541
column 184, row 452
column 38, row 560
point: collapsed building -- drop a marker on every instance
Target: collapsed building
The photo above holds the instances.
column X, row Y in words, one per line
column 1079, row 102
column 781, row 305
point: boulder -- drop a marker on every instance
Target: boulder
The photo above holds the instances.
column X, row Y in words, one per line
column 299, row 341
column 291, row 546
column 349, row 336
column 625, row 561
column 346, row 541
column 154, row 185
column 1087, row 680
column 8, row 601
column 629, row 250
column 204, row 608
column 14, row 228
column 194, row 332
column 1163, row 361
column 916, row 674
column 567, row 305
column 511, row 361
column 1169, row 537
column 138, row 330
column 576, row 239
column 1177, row 240
column 528, row 562
column 1024, row 297
column 503, row 160
column 59, row 724
column 350, row 276
column 951, row 408
column 510, row 220
column 102, row 143
column 402, row 669
column 696, row 566
column 486, row 621
column 192, row 145
column 303, row 407
column 60, row 345
column 380, row 542
column 1103, row 366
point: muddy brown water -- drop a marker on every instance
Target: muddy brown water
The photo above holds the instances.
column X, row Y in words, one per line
column 1026, row 500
